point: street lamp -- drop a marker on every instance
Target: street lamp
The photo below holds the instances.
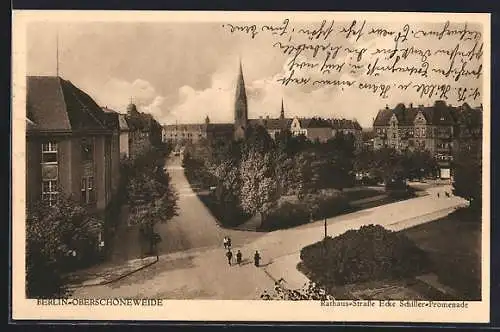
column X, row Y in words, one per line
column 326, row 230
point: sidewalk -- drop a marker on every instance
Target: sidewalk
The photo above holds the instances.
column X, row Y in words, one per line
column 108, row 272
column 285, row 264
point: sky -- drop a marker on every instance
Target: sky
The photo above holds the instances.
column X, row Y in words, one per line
column 183, row 72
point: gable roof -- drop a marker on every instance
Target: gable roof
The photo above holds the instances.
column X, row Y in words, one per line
column 345, row 124
column 438, row 114
column 383, row 117
column 55, row 104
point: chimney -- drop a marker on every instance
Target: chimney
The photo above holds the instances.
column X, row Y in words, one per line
column 267, row 117
column 411, row 105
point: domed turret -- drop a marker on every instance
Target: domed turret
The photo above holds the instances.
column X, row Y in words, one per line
column 132, row 109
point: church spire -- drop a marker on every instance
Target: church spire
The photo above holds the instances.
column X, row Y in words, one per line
column 282, row 113
column 240, row 106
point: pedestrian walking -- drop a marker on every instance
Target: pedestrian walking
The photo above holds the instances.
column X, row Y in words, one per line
column 238, row 257
column 447, row 194
column 229, row 243
column 256, row 258
column 225, row 241
column 438, row 195
column 229, row 256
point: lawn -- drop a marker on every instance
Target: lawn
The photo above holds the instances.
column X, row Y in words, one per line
column 454, row 247
column 361, row 193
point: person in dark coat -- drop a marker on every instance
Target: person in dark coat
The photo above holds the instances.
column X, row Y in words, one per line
column 238, row 257
column 256, row 258
column 229, row 256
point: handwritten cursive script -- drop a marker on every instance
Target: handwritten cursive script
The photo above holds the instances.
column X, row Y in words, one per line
column 439, row 60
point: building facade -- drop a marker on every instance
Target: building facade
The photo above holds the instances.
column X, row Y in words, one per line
column 312, row 128
column 72, row 145
column 348, row 127
column 143, row 133
column 180, row 134
column 123, row 130
column 124, row 140
column 432, row 128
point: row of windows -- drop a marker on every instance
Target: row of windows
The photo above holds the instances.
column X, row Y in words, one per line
column 50, row 183
column 185, row 135
column 50, row 151
column 50, row 191
column 300, row 132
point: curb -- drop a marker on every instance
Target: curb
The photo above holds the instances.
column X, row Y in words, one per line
column 106, row 282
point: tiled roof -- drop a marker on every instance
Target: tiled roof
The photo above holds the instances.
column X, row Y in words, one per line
column 56, row 104
column 345, row 124
column 314, row 123
column 438, row 114
column 271, row 124
column 383, row 117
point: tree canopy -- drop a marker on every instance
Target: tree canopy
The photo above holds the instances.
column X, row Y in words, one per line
column 57, row 237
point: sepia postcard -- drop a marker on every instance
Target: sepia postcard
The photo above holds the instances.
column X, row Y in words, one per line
column 251, row 166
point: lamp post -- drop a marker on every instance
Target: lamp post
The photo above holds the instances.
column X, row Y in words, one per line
column 326, row 230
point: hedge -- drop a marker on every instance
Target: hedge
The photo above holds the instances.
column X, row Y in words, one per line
column 370, row 253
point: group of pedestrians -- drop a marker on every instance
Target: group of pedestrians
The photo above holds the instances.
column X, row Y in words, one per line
column 239, row 255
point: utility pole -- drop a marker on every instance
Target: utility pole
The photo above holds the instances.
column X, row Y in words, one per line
column 326, row 231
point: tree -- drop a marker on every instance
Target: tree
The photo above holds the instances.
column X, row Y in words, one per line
column 467, row 177
column 258, row 140
column 229, row 183
column 259, row 187
column 304, row 174
column 151, row 199
column 388, row 164
column 285, row 173
column 419, row 163
column 467, row 160
column 57, row 237
column 291, row 145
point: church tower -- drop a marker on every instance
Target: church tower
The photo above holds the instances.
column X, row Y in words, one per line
column 282, row 113
column 283, row 121
column 240, row 108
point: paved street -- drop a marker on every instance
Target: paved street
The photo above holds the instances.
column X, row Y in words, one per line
column 193, row 265
column 194, row 227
